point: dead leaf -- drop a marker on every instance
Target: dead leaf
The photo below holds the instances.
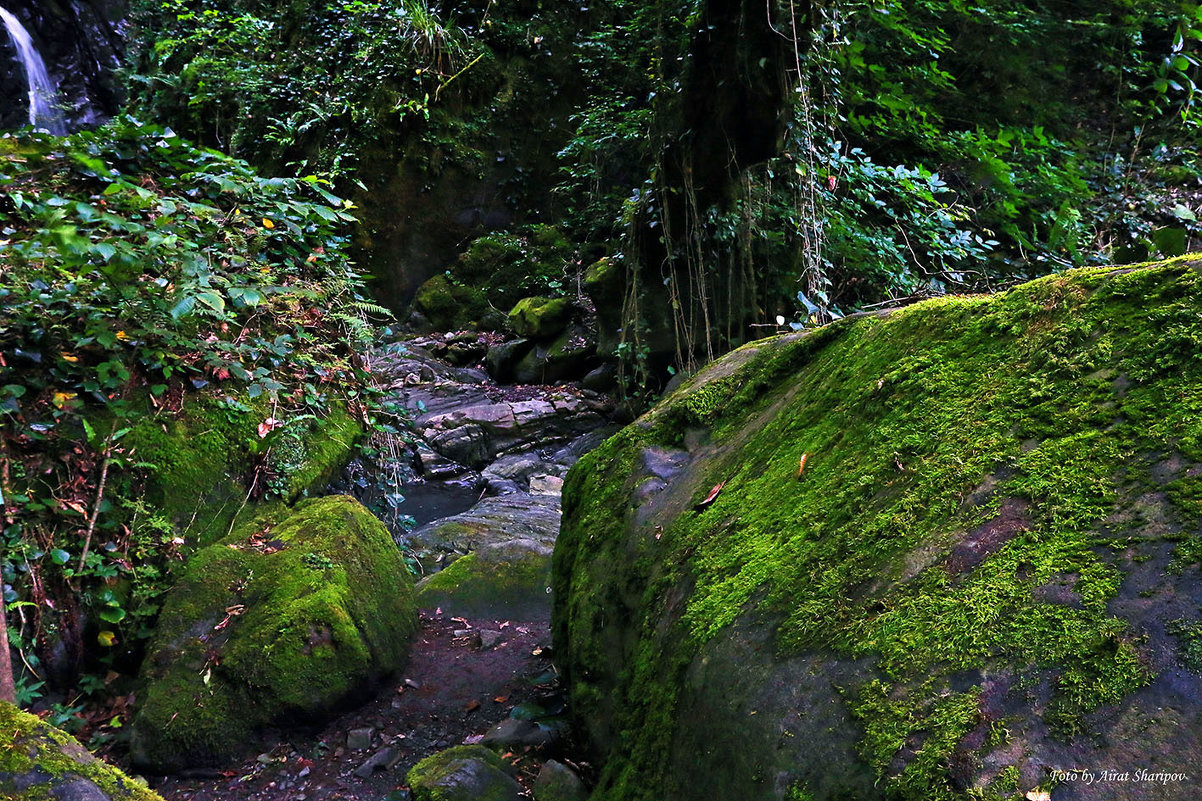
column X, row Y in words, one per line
column 801, row 464
column 471, row 706
column 267, row 426
column 710, row 498
column 500, row 699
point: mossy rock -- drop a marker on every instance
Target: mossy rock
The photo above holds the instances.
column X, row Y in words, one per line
column 505, row 580
column 203, row 454
column 540, row 318
column 463, row 773
column 294, row 614
column 450, row 306
column 569, row 356
column 41, row 763
column 935, row 553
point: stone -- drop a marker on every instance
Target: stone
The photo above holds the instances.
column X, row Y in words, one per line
column 503, row 580
column 255, row 636
column 463, row 773
column 517, row 516
column 875, row 545
column 601, row 379
column 540, row 318
column 546, row 485
column 358, row 739
column 512, row 733
column 38, row 762
column 502, row 359
column 557, row 782
column 490, row 639
column 384, row 759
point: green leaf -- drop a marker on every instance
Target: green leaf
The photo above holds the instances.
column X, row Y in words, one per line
column 212, row 300
column 184, row 307
column 111, row 614
column 59, row 556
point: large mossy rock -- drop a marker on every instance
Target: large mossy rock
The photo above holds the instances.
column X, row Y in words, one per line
column 281, row 622
column 540, row 318
column 37, row 761
column 939, row 553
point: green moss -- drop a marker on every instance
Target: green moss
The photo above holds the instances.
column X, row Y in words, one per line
column 283, row 620
column 449, row 305
column 512, row 584
column 425, row 775
column 915, row 427
column 539, row 318
column 30, row 744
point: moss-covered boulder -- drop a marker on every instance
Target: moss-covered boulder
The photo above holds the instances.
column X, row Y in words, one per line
column 450, row 306
column 947, row 552
column 40, row 763
column 284, row 620
column 463, row 773
column 540, row 318
column 503, row 580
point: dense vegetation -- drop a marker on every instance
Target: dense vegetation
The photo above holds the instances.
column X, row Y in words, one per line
column 727, row 162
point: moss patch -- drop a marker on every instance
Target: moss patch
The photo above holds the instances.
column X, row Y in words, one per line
column 450, row 305
column 285, row 619
column 507, row 580
column 916, row 429
column 540, row 318
column 37, row 761
column 435, row 779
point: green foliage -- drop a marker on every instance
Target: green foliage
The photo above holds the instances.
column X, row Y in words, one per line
column 137, row 269
column 278, row 83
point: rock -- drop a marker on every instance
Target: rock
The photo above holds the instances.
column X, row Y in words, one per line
column 288, row 618
column 557, row 782
column 490, row 639
column 518, row 516
column 449, row 306
column 502, row 359
column 463, row 773
column 566, row 358
column 540, row 318
column 601, row 379
column 358, row 739
column 950, row 549
column 384, row 759
column 38, row 761
column 509, row 579
column 546, row 485
column 512, row 733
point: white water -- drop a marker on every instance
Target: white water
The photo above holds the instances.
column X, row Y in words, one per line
column 44, row 112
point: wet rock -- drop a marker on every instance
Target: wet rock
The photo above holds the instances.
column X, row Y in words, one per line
column 517, row 516
column 463, row 773
column 546, row 485
column 557, row 782
column 566, row 358
column 540, row 318
column 502, row 359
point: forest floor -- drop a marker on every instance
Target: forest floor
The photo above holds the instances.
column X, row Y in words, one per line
column 452, row 691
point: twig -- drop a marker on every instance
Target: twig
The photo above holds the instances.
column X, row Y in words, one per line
column 104, row 477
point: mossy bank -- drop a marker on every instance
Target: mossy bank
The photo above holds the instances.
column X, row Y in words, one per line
column 290, row 616
column 41, row 763
column 953, row 549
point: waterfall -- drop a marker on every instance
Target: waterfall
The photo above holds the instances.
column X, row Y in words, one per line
column 44, row 112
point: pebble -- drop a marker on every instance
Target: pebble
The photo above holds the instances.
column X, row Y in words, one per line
column 358, row 739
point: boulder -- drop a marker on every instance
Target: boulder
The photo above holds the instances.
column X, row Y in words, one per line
column 463, row 773
column 497, row 581
column 952, row 551
column 540, row 318
column 569, row 356
column 448, row 305
column 38, row 761
column 292, row 615
column 557, row 782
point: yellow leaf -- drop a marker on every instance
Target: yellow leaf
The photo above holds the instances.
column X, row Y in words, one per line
column 268, row 223
column 67, row 357
column 106, row 638
column 62, row 398
column 121, row 335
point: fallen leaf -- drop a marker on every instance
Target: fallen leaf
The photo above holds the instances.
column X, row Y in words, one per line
column 268, row 224
column 801, row 464
column 471, row 706
column 500, row 699
column 710, row 498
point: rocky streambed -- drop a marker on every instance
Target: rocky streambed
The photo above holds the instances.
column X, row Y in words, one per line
column 481, row 485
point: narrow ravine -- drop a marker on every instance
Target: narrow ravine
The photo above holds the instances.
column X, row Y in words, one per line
column 481, row 482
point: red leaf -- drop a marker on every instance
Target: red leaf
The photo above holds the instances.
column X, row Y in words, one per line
column 710, row 498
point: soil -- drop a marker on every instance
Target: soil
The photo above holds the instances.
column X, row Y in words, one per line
column 451, row 692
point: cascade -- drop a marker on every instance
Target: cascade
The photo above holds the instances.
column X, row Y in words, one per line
column 44, row 112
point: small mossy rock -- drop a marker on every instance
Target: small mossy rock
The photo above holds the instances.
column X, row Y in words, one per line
column 503, row 358
column 503, row 580
column 604, row 283
column 540, row 318
column 41, row 763
column 557, row 782
column 939, row 552
column 289, row 617
column 463, row 773
column 450, row 306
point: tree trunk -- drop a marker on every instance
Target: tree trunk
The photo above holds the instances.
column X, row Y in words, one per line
column 8, row 691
